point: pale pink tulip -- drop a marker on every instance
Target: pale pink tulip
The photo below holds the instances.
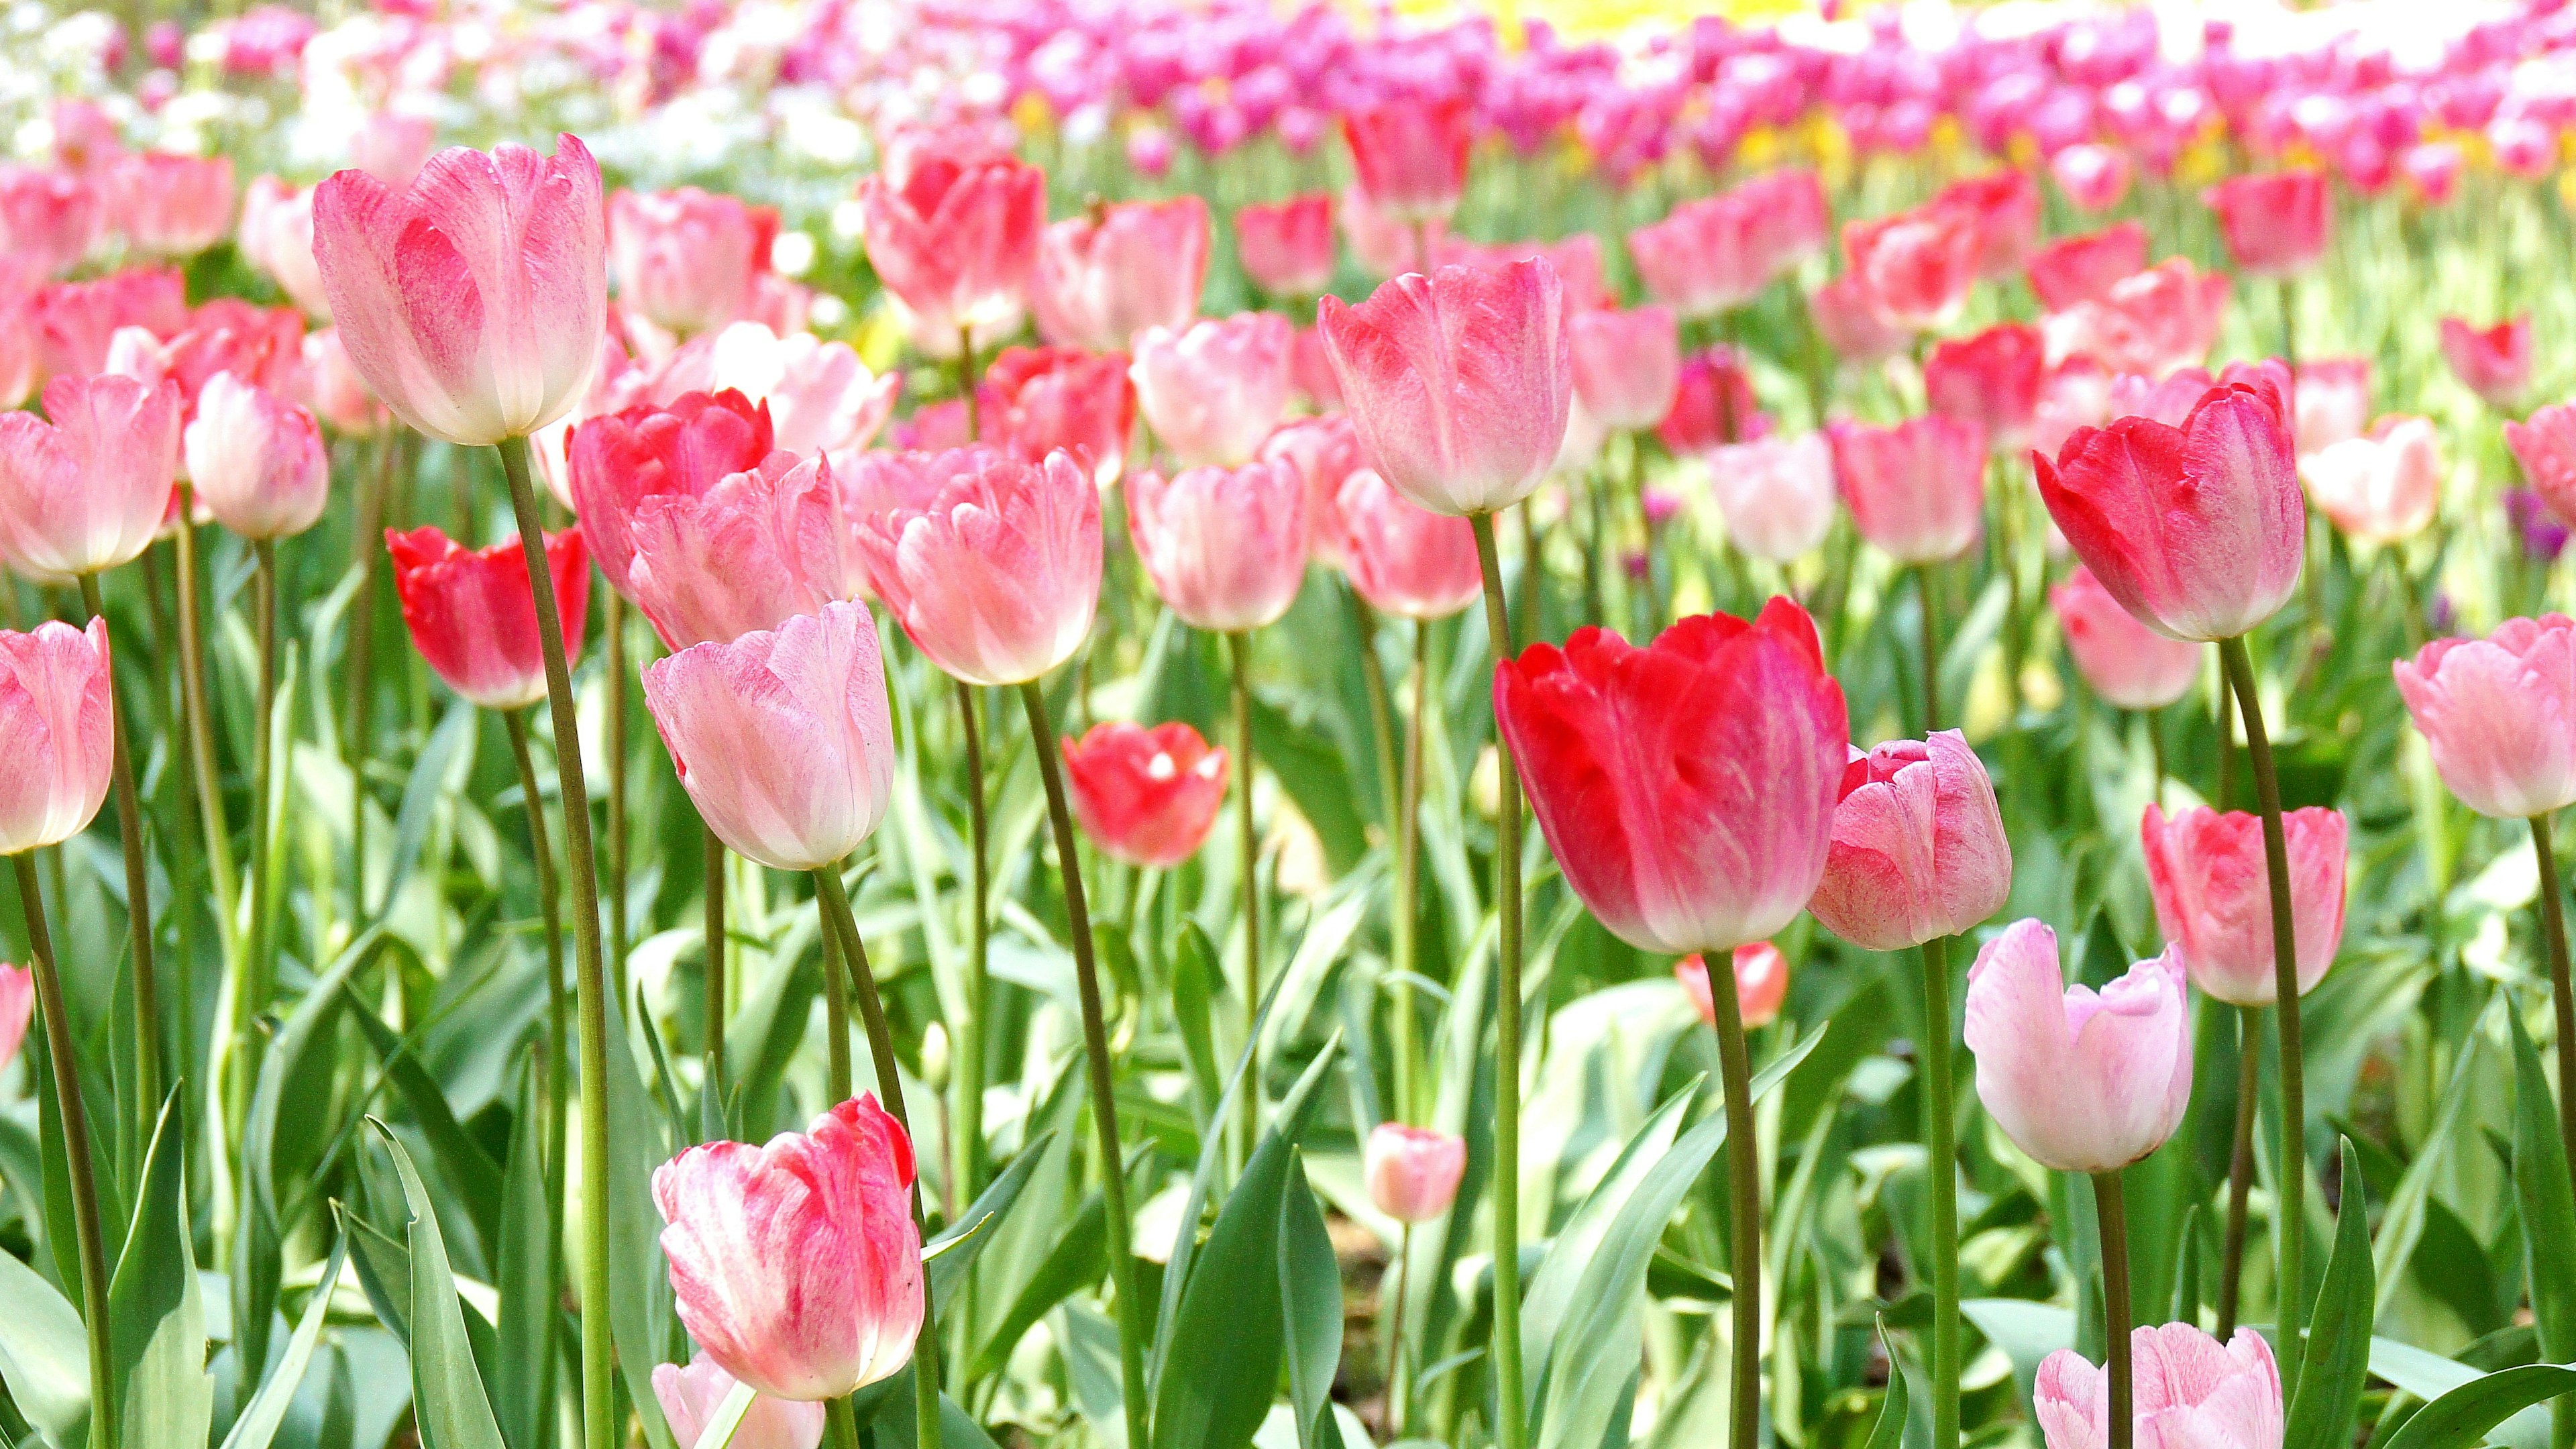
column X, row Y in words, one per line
column 2083, row 1081
column 1400, row 558
column 953, row 234
column 1324, row 450
column 2332, row 402
column 56, row 723
column 2493, row 362
column 1102, row 279
column 1412, row 1172
column 1777, row 494
column 2545, row 446
column 1627, row 365
column 1287, row 248
column 2160, row 319
column 169, row 205
column 691, row 1396
column 50, row 218
column 1918, row 489
column 2213, row 900
column 689, row 260
column 1034, row 400
column 338, row 395
column 1226, row 548
column 2093, row 177
column 17, row 1009
column 821, row 397
column 276, row 236
column 1213, row 390
column 2192, row 1392
column 256, row 460
column 87, row 490
column 2277, row 223
column 2500, row 714
column 759, row 547
column 990, row 562
column 2130, row 665
column 2382, row 488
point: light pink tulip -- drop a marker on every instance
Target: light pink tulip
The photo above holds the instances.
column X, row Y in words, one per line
column 392, row 146
column 2130, row 665
column 2332, row 402
column 1401, row 559
column 1777, row 494
column 2192, row 1392
column 2545, row 446
column 2076, row 394
column 1706, row 257
column 689, row 260
column 797, row 1265
column 991, row 563
column 1412, row 1172
column 473, row 617
column 1324, row 450
column 759, row 547
column 276, row 236
column 2084, row 268
column 821, row 397
column 953, row 234
column 691, row 1396
column 56, row 698
column 1761, row 983
column 1287, row 248
column 1627, row 365
column 2500, row 714
column 337, row 394
column 169, row 205
column 1918, row 489
column 784, row 740
column 1458, row 383
column 2382, row 488
column 2162, row 318
column 1138, row 264
column 2213, row 899
column 2093, row 177
column 1848, row 320
column 2082, row 1081
column 504, row 342
column 1919, row 848
column 1226, row 548
column 1213, row 390
column 256, row 460
column 1384, row 245
column 2277, row 223
column 87, row 490
column 50, row 218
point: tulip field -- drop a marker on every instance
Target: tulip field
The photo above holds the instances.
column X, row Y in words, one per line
column 1187, row 724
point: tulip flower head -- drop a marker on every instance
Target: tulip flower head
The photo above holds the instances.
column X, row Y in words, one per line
column 256, row 460
column 2381, row 488
column 1410, row 157
column 1992, row 380
column 2277, row 223
column 991, row 563
column 2493, row 362
column 2500, row 714
column 2191, row 1389
column 473, row 617
column 1146, row 797
column 2084, row 268
column 1225, row 547
column 2130, row 665
column 1401, row 559
column 1918, row 489
column 953, row 234
column 2213, row 901
column 1777, row 494
column 1101, row 280
column 690, row 1398
column 56, row 724
column 1919, row 848
column 1287, row 248
column 2083, row 1081
column 689, row 260
column 1412, row 1172
column 1213, row 390
column 85, row 488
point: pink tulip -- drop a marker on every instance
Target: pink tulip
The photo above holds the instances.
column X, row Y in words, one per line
column 1287, row 248
column 991, row 563
column 1991, row 380
column 505, row 343
column 392, row 147
column 1035, row 400
column 1410, row 156
column 2333, row 402
column 2192, row 1392
column 821, row 398
column 2083, row 268
column 1324, row 451
column 260, row 346
column 760, row 546
column 1458, row 382
column 87, row 490
column 618, row 460
column 1848, row 320
column 2199, row 530
column 169, row 205
column 2493, row 362
column 1138, row 264
column 2382, row 488
column 1915, row 268
column 48, row 218
column 76, row 321
column 1777, row 494
column 17, row 1008
column 2160, row 319
column 2005, row 207
column 1761, row 984
column 1412, row 1172
column 17, row 349
column 256, row 460
column 691, row 1396
column 2214, row 904
column 1627, row 365
column 1213, row 390
column 1386, row 246
column 276, row 236
column 337, row 394
column 1686, row 789
column 784, row 740
column 797, row 1265
column 2093, row 177
column 1713, row 404
column 689, row 260
column 953, row 234
column 473, row 617
column 1401, row 559
column 1918, row 489
column 1919, row 849
column 56, row 722
column 1146, row 797
column 2545, row 446
column 2500, row 714
column 1226, row 548
column 1718, row 253
column 2277, row 223
column 2130, row 665
column 2081, row 1081
column 1310, row 372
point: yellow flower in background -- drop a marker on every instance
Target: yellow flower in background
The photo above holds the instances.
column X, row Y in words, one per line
column 1592, row 18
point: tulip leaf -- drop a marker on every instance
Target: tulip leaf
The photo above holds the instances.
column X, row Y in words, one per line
column 2336, row 1364
column 1074, row 1262
column 444, row 762
column 156, row 1318
column 1195, row 982
column 728, row 1417
column 2463, row 1417
column 448, row 1401
column 525, row 1271
column 2548, row 1204
column 1310, row 1294
column 1889, row 1432
column 639, row 1288
column 257, row 1427
column 953, row 1252
column 2401, row 1225
column 44, row 1356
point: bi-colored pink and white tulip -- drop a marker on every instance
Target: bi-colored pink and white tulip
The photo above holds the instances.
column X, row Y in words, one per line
column 2192, row 1392
column 1213, row 390
column 2082, row 1081
column 990, row 562
column 1412, row 1173
column 256, row 460
column 1776, row 493
column 2500, row 714
column 1100, row 280
column 1225, row 547
column 57, row 697
column 86, row 487
column 2380, row 488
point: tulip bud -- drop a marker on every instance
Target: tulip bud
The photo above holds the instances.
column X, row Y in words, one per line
column 1761, row 979
column 256, row 460
column 1146, row 797
column 1412, row 1172
column 1919, row 849
column 56, row 725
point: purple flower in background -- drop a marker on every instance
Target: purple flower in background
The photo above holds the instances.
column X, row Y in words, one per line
column 2542, row 534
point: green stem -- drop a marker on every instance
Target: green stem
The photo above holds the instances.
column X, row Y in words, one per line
column 1408, row 860
column 2226, row 740
column 713, row 936
column 2240, row 1166
column 1514, row 1415
column 612, row 629
column 84, row 1177
column 220, row 880
column 1398, row 1393
column 138, row 888
column 1940, row 1124
column 1247, row 842
column 2562, row 994
column 590, row 984
column 2292, row 1164
column 966, row 383
column 540, row 850
column 2114, row 1218
column 1744, row 1205
column 263, row 972
column 557, row 1095
column 1930, row 593
column 966, row 1148
column 369, row 546
column 1104, row 1096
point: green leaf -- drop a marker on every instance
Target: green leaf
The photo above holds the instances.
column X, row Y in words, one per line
column 257, row 1426
column 2401, row 1226
column 1195, row 983
column 469, row 1171
column 384, row 1271
column 2464, row 1416
column 1077, row 1259
column 525, row 1277
column 2337, row 1359
column 1310, row 1293
column 2185, row 1307
column 448, row 754
column 1889, row 1433
column 156, row 1320
column 2548, row 1204
column 447, row 1395
column 953, row 1252
column 639, row 1288
column 44, row 1351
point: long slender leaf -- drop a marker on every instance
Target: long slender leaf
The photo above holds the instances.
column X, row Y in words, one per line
column 260, row 1418
column 446, row 1388
column 156, row 1318
column 2337, row 1361
column 2462, row 1417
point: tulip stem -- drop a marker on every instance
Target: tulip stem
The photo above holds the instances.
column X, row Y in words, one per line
column 1940, row 1129
column 966, row 383
column 590, row 984
column 1744, row 1210
column 1104, row 1098
column 263, row 973
column 836, row 1007
column 2155, row 756
column 361, row 652
column 2292, row 1165
column 76, row 1144
column 2240, row 1165
column 1247, row 842
column 2562, row 993
column 138, row 886
column 966, row 1151
column 713, row 934
column 1408, row 861
column 834, row 901
column 201, row 738
column 612, row 640
column 1930, row 594
column 1512, row 1428
column 550, row 908
column 1398, row 1409
column 2113, row 1216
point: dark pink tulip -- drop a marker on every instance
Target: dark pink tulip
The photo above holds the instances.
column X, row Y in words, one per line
column 1917, row 489
column 1138, row 264
column 2083, row 268
column 1919, row 849
column 1626, row 365
column 1286, row 247
column 1401, row 559
column 2277, row 223
column 2214, row 903
column 991, row 563
column 758, row 547
column 1035, row 400
column 473, row 617
column 1713, row 404
column 1991, row 380
column 1915, row 268
column 56, row 698
column 1146, row 797
column 2005, row 207
column 1410, row 156
column 2493, row 362
column 2130, row 665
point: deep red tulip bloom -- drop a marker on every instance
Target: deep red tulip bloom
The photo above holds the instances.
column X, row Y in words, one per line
column 2197, row 530
column 2493, row 362
column 1918, row 489
column 1411, row 156
column 473, row 617
column 1687, row 789
column 1713, row 405
column 1991, row 380
column 1146, row 797
column 2083, row 268
column 2277, row 224
column 1286, row 248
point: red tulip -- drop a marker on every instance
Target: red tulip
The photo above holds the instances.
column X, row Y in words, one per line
column 2493, row 362
column 1687, row 789
column 1035, row 400
column 1401, row 559
column 1761, row 983
column 2083, row 268
column 1412, row 1172
column 689, row 260
column 256, row 460
column 1410, row 156
column 1214, row 389
column 2130, row 665
column 1226, row 548
column 2277, row 223
column 56, row 722
column 1287, row 248
column 1146, row 797
column 1919, row 849
column 991, row 563
column 2500, row 714
column 2199, row 530
column 1138, row 264
column 1918, row 489
column 1626, row 365
column 618, row 460
column 89, row 489
column 2213, row 898
column 504, row 342
column 1915, row 268
column 1713, row 404
column 953, row 235
column 1992, row 380
column 473, row 617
